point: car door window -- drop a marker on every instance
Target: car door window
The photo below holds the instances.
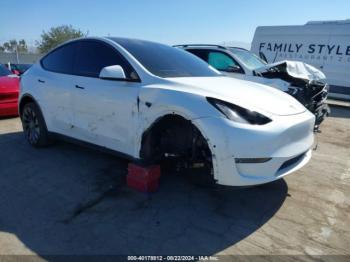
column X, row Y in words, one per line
column 60, row 60
column 92, row 56
column 201, row 53
column 221, row 61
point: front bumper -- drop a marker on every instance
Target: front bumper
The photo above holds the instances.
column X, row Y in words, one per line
column 287, row 140
column 278, row 166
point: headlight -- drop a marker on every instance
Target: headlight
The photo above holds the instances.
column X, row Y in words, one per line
column 239, row 114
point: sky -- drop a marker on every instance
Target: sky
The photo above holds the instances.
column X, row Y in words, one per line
column 166, row 21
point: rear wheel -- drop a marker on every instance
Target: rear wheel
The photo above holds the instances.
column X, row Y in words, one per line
column 34, row 126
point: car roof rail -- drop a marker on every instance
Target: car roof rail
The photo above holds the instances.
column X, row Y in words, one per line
column 242, row 48
column 201, row 45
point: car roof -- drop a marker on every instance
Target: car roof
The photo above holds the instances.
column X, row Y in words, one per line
column 201, row 46
column 207, row 46
column 123, row 40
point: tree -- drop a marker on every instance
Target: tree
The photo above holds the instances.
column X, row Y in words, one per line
column 56, row 36
column 22, row 46
column 12, row 45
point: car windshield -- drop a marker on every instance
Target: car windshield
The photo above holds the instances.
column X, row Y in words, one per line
column 249, row 59
column 4, row 71
column 166, row 61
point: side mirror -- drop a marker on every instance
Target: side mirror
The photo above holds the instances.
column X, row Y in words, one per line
column 234, row 69
column 114, row 72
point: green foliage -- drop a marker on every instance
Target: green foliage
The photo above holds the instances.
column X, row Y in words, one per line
column 22, row 46
column 57, row 35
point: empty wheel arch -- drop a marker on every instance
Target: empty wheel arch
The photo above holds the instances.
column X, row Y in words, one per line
column 177, row 139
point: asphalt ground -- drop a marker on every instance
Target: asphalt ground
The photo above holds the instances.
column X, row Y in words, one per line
column 67, row 199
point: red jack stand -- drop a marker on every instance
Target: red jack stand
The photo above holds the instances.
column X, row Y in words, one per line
column 143, row 178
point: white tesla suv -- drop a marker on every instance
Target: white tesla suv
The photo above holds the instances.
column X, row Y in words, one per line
column 150, row 101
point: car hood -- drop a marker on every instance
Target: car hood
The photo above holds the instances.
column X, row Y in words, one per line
column 252, row 96
column 274, row 82
column 295, row 69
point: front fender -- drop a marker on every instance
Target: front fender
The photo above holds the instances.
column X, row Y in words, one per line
column 155, row 104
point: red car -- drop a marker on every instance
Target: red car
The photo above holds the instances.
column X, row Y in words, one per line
column 9, row 88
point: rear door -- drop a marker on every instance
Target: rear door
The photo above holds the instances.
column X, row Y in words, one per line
column 105, row 111
column 55, row 85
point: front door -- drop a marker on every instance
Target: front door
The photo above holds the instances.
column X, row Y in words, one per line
column 105, row 111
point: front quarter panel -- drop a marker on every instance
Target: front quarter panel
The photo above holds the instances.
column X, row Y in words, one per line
column 156, row 102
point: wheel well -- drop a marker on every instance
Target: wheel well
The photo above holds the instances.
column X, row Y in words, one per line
column 25, row 100
column 177, row 137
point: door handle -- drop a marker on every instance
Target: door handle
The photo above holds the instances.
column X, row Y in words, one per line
column 41, row 81
column 80, row 87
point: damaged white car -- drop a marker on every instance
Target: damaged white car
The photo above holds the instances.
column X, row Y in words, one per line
column 304, row 82
column 150, row 101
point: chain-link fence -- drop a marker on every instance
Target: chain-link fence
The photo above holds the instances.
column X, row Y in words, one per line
column 18, row 58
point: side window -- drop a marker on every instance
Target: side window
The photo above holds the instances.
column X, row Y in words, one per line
column 221, row 61
column 92, row 56
column 61, row 59
column 201, row 53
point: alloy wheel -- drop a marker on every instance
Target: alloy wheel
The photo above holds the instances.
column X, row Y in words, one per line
column 31, row 125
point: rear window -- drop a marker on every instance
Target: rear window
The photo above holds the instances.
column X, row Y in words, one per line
column 61, row 60
column 4, row 71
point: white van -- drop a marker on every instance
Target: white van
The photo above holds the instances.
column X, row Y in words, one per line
column 323, row 44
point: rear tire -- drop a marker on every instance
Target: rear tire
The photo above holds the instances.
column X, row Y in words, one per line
column 34, row 126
